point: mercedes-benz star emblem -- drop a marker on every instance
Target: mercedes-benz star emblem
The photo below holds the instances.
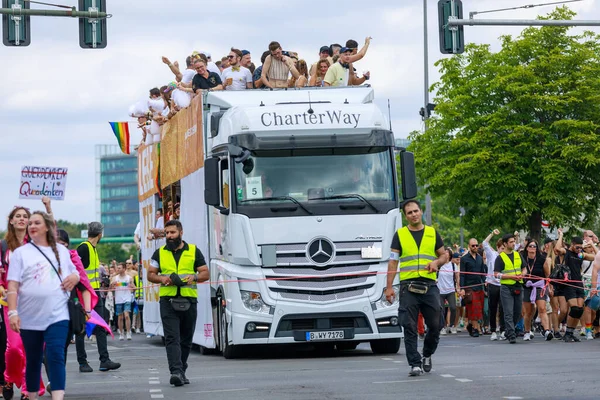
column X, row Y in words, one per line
column 320, row 251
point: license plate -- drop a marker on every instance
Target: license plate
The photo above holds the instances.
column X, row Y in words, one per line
column 327, row 335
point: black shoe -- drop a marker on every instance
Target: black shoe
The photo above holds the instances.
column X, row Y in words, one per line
column 177, row 380
column 427, row 364
column 549, row 335
column 597, row 335
column 24, row 396
column 186, row 381
column 512, row 340
column 557, row 335
column 108, row 365
column 569, row 337
column 8, row 391
column 85, row 368
column 475, row 333
column 470, row 329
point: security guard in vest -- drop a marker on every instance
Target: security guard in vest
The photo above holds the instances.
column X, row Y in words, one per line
column 180, row 265
column 508, row 267
column 89, row 258
column 420, row 251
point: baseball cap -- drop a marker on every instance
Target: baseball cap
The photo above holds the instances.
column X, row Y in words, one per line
column 206, row 53
column 324, row 49
column 345, row 49
column 244, row 52
column 548, row 240
column 455, row 255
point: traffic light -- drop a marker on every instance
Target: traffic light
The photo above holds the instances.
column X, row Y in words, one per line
column 16, row 29
column 92, row 31
column 452, row 39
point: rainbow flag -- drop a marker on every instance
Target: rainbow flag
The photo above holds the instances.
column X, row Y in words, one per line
column 121, row 130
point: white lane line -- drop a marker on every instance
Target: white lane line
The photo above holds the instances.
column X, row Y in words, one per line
column 386, row 358
column 157, row 396
column 463, row 380
column 399, row 362
column 155, row 372
column 512, row 398
column 154, row 382
column 153, row 378
column 220, row 390
column 155, row 390
column 406, row 381
column 447, row 376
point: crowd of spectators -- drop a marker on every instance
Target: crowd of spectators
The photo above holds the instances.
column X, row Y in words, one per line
column 279, row 69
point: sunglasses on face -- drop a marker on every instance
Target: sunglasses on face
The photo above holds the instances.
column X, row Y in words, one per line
column 578, row 248
column 230, row 57
column 474, row 245
column 532, row 246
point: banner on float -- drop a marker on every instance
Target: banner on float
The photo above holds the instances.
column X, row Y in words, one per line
column 147, row 171
column 38, row 182
column 152, row 323
column 181, row 147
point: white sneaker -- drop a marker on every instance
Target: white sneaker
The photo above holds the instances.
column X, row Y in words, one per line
column 453, row 330
column 137, row 330
column 494, row 336
column 443, row 331
column 582, row 332
column 589, row 335
column 527, row 336
column 503, row 335
column 121, row 337
column 415, row 371
column 129, row 335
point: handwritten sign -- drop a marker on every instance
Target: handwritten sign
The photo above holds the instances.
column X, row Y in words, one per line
column 37, row 182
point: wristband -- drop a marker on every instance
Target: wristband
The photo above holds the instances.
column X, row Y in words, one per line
column 12, row 292
column 12, row 313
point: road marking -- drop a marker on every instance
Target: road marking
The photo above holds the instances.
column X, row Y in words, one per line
column 406, row 381
column 153, row 377
column 220, row 390
column 399, row 362
column 512, row 398
column 447, row 376
column 386, row 358
column 463, row 380
column 155, row 390
column 157, row 396
column 154, row 382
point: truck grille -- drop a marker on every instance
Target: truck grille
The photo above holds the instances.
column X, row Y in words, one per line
column 294, row 254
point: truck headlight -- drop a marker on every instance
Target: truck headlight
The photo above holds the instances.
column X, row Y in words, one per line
column 383, row 303
column 253, row 301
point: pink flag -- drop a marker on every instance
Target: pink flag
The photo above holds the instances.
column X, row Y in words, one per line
column 97, row 320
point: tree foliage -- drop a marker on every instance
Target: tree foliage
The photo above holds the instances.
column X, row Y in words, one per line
column 515, row 136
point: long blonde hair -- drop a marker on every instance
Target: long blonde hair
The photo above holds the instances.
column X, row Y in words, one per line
column 50, row 235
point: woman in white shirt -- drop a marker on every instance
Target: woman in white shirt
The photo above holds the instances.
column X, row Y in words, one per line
column 448, row 277
column 37, row 302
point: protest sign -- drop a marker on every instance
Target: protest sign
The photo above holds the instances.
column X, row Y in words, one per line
column 37, row 182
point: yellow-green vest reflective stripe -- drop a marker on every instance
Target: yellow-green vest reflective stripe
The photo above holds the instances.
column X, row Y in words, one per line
column 91, row 270
column 184, row 267
column 138, row 285
column 413, row 259
column 510, row 268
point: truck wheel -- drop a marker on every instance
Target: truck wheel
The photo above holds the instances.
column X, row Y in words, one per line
column 385, row 346
column 344, row 346
column 228, row 351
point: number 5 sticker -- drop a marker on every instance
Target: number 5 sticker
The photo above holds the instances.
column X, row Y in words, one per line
column 254, row 187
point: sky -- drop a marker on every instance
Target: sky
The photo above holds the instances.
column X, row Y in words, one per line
column 58, row 98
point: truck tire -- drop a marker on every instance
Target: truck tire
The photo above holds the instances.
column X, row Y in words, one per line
column 385, row 346
column 228, row 351
column 345, row 346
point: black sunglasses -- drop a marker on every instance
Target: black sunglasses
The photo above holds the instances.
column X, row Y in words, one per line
column 230, row 56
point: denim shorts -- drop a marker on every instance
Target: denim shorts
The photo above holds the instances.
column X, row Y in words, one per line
column 121, row 308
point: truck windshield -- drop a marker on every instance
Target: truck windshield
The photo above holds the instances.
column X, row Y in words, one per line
column 315, row 175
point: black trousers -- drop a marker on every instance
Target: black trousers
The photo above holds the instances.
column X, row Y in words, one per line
column 178, row 327
column 408, row 313
column 100, row 337
column 494, row 304
column 2, row 346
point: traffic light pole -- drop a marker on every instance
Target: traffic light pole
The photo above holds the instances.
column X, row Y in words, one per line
column 520, row 22
column 17, row 12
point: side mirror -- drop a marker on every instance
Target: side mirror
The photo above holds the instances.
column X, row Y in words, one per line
column 212, row 188
column 409, row 176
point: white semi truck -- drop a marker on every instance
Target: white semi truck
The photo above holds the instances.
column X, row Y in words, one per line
column 301, row 195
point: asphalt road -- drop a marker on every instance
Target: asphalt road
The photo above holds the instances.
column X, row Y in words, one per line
column 463, row 368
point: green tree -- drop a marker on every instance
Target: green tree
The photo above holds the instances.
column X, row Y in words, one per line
column 115, row 251
column 73, row 229
column 516, row 135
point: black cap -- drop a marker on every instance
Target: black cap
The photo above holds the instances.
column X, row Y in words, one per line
column 63, row 236
column 325, row 49
column 456, row 255
column 548, row 240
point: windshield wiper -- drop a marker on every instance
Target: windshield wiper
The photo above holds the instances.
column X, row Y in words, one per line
column 290, row 198
column 349, row 196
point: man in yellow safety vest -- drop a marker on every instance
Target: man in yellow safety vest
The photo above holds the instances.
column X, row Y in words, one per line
column 89, row 258
column 420, row 251
column 180, row 265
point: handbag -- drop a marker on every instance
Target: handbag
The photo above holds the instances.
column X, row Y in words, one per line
column 468, row 299
column 77, row 315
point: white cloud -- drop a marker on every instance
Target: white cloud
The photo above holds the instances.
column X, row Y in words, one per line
column 58, row 98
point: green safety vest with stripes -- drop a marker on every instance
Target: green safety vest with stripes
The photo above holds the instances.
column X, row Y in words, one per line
column 414, row 259
column 138, row 284
column 184, row 267
column 511, row 268
column 92, row 270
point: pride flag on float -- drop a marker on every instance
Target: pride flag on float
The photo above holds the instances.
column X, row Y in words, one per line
column 121, row 130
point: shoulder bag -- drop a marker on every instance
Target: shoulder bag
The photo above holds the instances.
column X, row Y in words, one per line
column 77, row 315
